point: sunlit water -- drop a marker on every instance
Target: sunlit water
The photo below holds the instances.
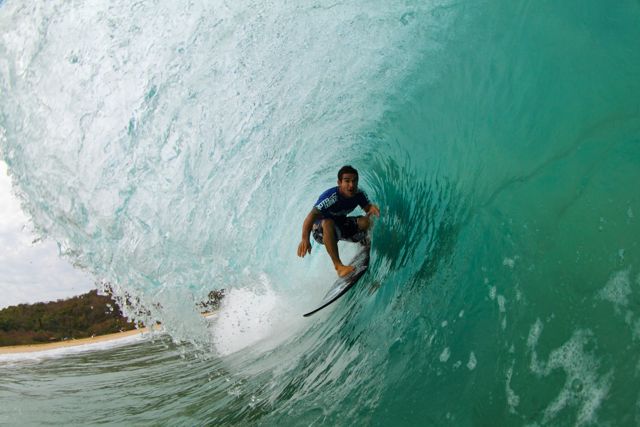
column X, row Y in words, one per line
column 172, row 149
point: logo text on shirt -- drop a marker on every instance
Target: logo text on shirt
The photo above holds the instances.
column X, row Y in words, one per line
column 327, row 202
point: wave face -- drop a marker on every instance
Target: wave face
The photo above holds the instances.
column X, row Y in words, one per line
column 174, row 149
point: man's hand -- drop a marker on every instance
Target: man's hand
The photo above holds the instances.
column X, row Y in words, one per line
column 373, row 210
column 305, row 245
column 304, row 248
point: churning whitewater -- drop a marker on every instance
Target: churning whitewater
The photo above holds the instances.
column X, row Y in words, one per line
column 174, row 149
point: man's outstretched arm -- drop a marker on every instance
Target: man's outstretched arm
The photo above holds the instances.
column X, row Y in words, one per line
column 305, row 245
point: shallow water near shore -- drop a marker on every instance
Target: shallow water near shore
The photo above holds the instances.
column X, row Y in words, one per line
column 175, row 149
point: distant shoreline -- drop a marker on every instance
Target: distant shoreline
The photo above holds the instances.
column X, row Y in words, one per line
column 33, row 348
column 79, row 320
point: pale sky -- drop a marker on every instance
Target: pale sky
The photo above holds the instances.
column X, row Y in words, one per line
column 31, row 272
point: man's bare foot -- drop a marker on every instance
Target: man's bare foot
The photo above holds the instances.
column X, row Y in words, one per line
column 343, row 270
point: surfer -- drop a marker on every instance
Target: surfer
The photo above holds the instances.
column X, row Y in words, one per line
column 329, row 222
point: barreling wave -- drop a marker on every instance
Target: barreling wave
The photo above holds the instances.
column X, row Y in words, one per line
column 175, row 149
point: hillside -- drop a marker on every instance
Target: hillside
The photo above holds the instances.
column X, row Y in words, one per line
column 78, row 317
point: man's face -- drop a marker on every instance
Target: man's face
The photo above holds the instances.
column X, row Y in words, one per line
column 348, row 185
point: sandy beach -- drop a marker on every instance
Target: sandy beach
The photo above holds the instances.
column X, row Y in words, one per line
column 70, row 343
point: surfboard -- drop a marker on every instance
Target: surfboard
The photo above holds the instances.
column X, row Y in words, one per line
column 361, row 262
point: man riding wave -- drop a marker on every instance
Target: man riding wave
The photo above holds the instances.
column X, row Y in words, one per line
column 329, row 222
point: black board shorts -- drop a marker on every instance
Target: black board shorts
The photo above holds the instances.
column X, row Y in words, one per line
column 346, row 229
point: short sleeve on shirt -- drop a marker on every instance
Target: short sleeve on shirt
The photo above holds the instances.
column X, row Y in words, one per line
column 327, row 200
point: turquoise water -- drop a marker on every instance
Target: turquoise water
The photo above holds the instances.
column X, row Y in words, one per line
column 175, row 149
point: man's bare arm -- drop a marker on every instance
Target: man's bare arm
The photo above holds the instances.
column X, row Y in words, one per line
column 305, row 245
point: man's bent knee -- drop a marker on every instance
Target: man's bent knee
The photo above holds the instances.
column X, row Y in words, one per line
column 364, row 223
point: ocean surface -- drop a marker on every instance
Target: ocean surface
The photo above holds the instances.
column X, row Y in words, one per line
column 174, row 148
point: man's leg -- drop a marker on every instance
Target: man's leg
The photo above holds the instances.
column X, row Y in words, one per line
column 331, row 243
column 364, row 224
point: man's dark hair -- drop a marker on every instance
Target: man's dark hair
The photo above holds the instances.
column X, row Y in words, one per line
column 346, row 169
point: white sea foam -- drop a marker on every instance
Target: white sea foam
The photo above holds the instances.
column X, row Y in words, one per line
column 255, row 315
column 444, row 356
column 585, row 387
column 617, row 290
column 513, row 400
column 74, row 349
column 473, row 362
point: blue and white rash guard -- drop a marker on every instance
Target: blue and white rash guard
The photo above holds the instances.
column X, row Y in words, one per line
column 331, row 204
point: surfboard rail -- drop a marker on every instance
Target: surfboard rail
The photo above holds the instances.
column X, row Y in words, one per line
column 361, row 263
